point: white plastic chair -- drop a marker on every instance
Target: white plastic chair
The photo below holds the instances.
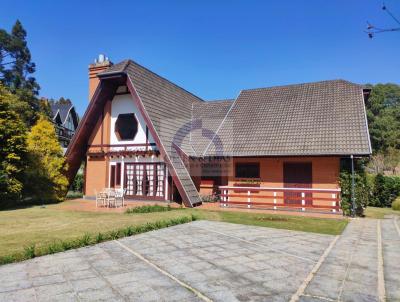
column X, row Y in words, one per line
column 111, row 197
column 119, row 197
column 101, row 198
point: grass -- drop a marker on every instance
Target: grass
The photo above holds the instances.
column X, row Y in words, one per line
column 379, row 213
column 41, row 226
column 56, row 227
column 33, row 251
column 298, row 223
column 149, row 209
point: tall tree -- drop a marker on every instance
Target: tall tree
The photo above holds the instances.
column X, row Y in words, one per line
column 383, row 111
column 12, row 149
column 16, row 69
column 15, row 64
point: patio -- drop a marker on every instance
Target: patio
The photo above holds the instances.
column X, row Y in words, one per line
column 215, row 261
column 90, row 205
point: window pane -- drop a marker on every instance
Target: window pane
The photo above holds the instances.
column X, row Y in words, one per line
column 247, row 170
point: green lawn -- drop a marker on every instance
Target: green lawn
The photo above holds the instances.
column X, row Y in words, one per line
column 372, row 212
column 41, row 226
column 298, row 223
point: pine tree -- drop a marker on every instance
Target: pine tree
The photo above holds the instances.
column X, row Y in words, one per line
column 47, row 163
column 16, row 69
column 12, row 149
column 19, row 61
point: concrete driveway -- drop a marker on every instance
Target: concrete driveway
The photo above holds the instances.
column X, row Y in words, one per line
column 215, row 261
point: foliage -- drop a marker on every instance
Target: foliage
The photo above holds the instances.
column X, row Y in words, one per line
column 88, row 239
column 383, row 112
column 396, row 204
column 209, row 198
column 385, row 190
column 45, row 108
column 148, row 209
column 362, row 192
column 15, row 60
column 73, row 195
column 15, row 70
column 12, row 148
column 47, row 163
column 77, row 184
column 61, row 101
column 385, row 161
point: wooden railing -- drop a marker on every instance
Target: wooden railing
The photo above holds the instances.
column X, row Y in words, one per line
column 281, row 198
column 121, row 149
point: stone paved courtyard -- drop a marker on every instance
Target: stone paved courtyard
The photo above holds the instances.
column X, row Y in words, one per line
column 215, row 261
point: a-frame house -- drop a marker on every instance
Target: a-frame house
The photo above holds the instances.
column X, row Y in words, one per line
column 278, row 147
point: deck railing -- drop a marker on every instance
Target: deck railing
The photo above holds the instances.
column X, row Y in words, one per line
column 304, row 199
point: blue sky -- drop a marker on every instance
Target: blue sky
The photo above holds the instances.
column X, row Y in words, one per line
column 211, row 48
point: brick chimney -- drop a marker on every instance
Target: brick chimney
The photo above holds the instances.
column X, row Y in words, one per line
column 100, row 64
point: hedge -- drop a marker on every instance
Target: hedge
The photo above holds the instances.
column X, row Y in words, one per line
column 385, row 190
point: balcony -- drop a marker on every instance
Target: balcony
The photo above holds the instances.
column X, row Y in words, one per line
column 301, row 199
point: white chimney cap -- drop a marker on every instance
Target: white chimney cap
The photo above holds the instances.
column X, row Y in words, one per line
column 101, row 58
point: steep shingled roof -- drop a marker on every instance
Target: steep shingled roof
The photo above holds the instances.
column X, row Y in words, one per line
column 207, row 115
column 321, row 118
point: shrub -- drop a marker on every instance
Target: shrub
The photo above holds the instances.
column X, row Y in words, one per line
column 385, row 190
column 362, row 192
column 46, row 174
column 77, row 184
column 209, row 198
column 73, row 195
column 149, row 209
column 396, row 204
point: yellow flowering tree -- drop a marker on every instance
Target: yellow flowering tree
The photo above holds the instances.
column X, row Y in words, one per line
column 12, row 149
column 47, row 168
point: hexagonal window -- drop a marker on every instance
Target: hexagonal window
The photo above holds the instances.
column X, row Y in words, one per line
column 126, row 126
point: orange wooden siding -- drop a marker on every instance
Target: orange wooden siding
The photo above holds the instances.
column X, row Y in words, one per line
column 325, row 175
column 97, row 168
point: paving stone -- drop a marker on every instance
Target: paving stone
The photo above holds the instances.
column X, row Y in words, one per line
column 103, row 294
column 63, row 297
column 239, row 263
column 53, row 289
column 391, row 258
column 88, row 284
column 18, row 295
column 45, row 280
